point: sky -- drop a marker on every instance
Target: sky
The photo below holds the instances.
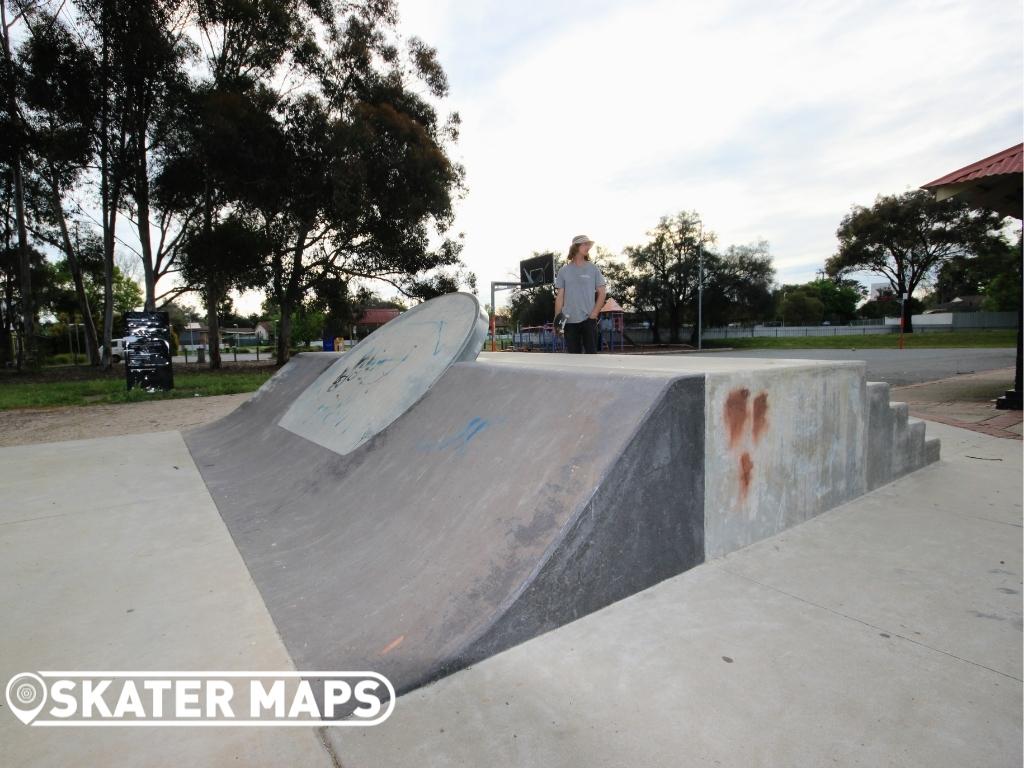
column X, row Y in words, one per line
column 770, row 119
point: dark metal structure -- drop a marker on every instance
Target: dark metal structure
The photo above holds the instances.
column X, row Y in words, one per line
column 148, row 347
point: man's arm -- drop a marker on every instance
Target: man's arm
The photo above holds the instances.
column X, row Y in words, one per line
column 602, row 291
column 559, row 301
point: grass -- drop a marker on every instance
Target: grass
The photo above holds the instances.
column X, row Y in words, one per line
column 1002, row 337
column 111, row 389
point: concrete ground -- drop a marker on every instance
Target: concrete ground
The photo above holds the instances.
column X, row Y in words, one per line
column 113, row 556
column 886, row 632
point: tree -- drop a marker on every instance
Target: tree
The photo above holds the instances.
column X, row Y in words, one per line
column 886, row 304
column 150, row 51
column 661, row 278
column 366, row 175
column 662, row 275
column 14, row 138
column 345, row 176
column 832, row 300
column 994, row 273
column 799, row 308
column 531, row 306
column 224, row 256
column 907, row 237
column 58, row 288
column 737, row 285
column 60, row 114
column 536, row 305
column 309, row 325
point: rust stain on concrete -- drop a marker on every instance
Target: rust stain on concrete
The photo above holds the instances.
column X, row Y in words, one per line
column 736, row 413
column 760, row 415
column 746, row 474
column 392, row 645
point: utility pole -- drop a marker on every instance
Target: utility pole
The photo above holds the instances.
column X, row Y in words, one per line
column 700, row 287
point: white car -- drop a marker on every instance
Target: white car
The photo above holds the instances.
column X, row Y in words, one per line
column 117, row 350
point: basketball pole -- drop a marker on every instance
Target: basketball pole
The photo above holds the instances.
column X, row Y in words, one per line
column 494, row 287
column 527, row 270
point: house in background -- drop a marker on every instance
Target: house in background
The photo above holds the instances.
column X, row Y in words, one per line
column 194, row 335
column 374, row 318
column 970, row 303
column 264, row 331
column 236, row 336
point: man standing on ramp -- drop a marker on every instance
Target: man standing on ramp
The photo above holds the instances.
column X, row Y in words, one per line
column 580, row 293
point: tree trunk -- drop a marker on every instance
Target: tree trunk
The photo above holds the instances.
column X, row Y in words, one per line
column 284, row 335
column 142, row 206
column 107, row 203
column 6, row 310
column 655, row 332
column 30, row 356
column 908, row 321
column 109, row 224
column 91, row 342
column 214, row 293
column 289, row 297
column 673, row 315
column 213, row 297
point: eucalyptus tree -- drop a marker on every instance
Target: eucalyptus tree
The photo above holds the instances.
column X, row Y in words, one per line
column 60, row 112
column 908, row 237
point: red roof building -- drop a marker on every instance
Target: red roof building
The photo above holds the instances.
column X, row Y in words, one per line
column 994, row 182
column 378, row 316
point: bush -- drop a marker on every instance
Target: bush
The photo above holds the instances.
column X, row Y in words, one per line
column 66, row 358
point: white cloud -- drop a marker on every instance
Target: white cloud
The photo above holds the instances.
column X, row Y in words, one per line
column 771, row 119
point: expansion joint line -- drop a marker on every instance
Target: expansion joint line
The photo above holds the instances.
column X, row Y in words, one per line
column 868, row 624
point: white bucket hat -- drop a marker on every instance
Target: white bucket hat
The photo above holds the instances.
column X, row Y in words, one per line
column 581, row 239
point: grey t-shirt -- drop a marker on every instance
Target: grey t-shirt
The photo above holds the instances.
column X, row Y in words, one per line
column 580, row 284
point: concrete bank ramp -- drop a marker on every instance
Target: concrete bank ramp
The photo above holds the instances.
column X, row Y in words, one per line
column 505, row 503
column 452, row 514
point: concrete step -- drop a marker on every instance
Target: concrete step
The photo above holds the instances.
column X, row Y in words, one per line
column 896, row 442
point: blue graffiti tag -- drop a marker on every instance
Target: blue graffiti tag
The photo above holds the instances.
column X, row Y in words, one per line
column 458, row 441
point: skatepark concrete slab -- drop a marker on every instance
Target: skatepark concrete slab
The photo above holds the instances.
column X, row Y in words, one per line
column 515, row 500
column 498, row 507
column 518, row 493
column 113, row 556
column 777, row 655
column 895, row 567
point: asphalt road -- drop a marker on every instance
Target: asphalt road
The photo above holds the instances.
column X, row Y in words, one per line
column 909, row 366
column 898, row 367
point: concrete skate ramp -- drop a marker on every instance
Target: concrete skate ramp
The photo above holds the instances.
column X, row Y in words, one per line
column 504, row 503
column 407, row 513
column 387, row 372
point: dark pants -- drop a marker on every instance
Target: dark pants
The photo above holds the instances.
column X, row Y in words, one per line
column 581, row 337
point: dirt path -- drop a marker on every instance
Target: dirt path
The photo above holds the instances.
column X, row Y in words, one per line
column 50, row 425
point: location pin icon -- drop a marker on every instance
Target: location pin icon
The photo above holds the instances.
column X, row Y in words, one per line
column 26, row 695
